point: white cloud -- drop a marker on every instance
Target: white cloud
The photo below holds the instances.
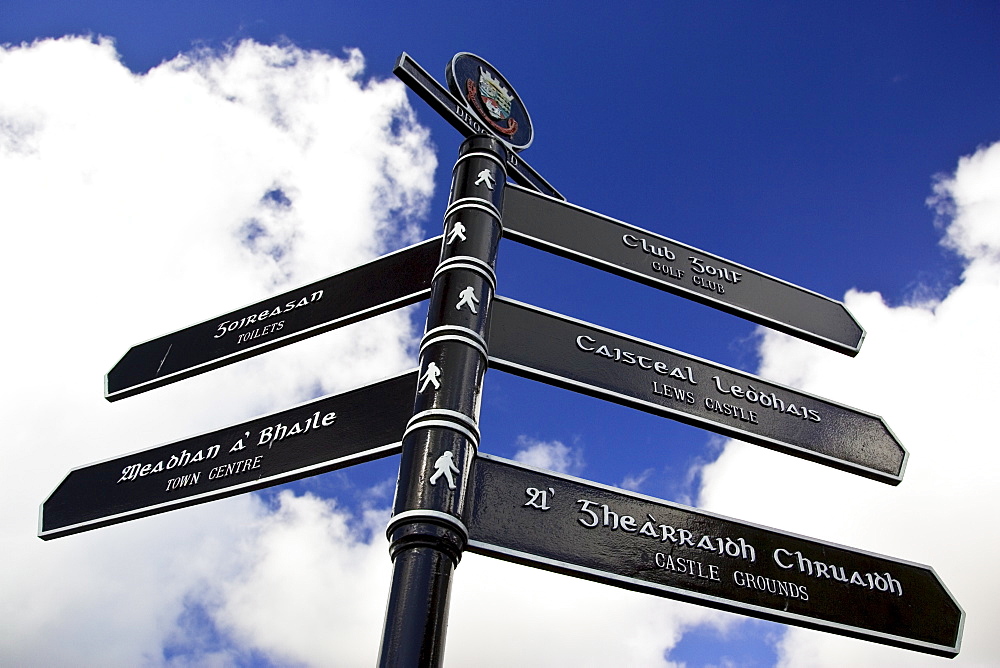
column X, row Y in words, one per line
column 312, row 589
column 126, row 204
column 635, row 482
column 554, row 455
column 967, row 203
column 930, row 370
column 508, row 615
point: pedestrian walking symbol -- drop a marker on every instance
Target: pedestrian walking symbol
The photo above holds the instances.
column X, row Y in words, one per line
column 445, row 466
column 431, row 377
column 468, row 298
column 485, row 177
column 457, row 230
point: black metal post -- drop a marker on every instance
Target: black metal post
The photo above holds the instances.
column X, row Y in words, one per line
column 426, row 534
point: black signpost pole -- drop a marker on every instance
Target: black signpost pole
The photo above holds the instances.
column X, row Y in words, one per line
column 426, row 533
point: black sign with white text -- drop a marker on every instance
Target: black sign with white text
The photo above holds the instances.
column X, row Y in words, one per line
column 567, row 525
column 622, row 249
column 569, row 353
column 315, row 437
column 386, row 283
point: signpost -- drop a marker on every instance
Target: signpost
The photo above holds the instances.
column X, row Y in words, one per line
column 386, row 283
column 625, row 250
column 312, row 438
column 448, row 496
column 599, row 362
column 559, row 523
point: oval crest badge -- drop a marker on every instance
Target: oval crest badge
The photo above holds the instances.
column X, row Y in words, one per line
column 491, row 98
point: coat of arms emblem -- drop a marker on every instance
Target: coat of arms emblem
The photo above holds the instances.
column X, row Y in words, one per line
column 487, row 93
column 493, row 101
column 494, row 95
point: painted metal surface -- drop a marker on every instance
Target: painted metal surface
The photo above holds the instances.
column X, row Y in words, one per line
column 426, row 534
column 382, row 285
column 559, row 523
column 628, row 251
column 312, row 438
column 579, row 356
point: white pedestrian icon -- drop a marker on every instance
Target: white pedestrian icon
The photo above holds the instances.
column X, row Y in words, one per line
column 468, row 298
column 430, row 377
column 457, row 230
column 486, row 176
column 445, row 466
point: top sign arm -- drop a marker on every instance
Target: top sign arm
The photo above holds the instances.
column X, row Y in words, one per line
column 443, row 102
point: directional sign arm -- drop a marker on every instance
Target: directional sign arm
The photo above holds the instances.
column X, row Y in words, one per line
column 312, row 438
column 585, row 358
column 628, row 251
column 443, row 102
column 431, row 92
column 384, row 284
column 563, row 524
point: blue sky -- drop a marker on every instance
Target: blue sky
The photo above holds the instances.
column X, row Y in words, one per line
column 799, row 139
